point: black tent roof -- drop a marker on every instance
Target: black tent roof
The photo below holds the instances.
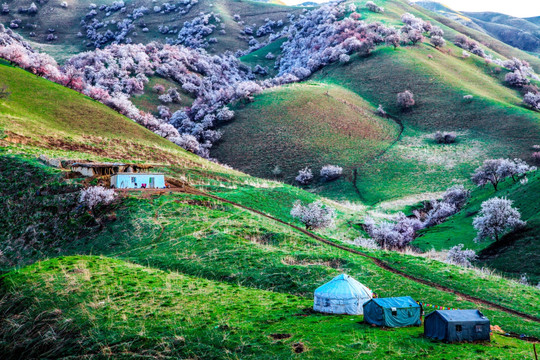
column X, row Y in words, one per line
column 460, row 315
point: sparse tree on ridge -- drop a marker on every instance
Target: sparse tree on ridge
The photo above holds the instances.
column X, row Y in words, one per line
column 393, row 40
column 496, row 217
column 488, row 172
column 437, row 41
column 496, row 170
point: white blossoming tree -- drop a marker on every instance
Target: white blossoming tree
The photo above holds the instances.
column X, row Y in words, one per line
column 496, row 217
column 315, row 215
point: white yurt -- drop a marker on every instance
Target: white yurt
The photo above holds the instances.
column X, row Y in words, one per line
column 342, row 295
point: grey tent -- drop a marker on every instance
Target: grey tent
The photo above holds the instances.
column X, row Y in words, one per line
column 393, row 312
column 457, row 325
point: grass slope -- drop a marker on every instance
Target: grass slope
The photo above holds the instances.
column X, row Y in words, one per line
column 57, row 120
column 102, row 308
column 50, row 15
column 492, row 125
column 507, row 256
column 309, row 124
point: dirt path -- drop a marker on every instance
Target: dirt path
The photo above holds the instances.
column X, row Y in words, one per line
column 378, row 262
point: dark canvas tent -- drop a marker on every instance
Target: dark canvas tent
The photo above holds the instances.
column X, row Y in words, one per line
column 393, row 312
column 457, row 325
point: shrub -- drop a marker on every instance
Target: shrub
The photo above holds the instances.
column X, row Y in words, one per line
column 444, row 137
column 532, row 100
column 165, row 98
column 457, row 256
column 344, row 58
column 405, row 99
column 393, row 235
column 366, row 243
column 436, row 31
column 276, row 171
column 523, row 279
column 393, row 40
column 496, row 217
column 456, row 195
column 373, row 7
column 315, row 215
column 516, row 79
column 331, row 172
column 305, row 176
column 536, row 156
column 159, row 89
column 4, row 93
column 439, row 212
column 437, row 41
column 32, row 9
column 96, row 195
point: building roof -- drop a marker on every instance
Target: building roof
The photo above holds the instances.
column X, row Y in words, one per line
column 138, row 173
column 343, row 287
column 396, row 302
column 460, row 315
column 107, row 164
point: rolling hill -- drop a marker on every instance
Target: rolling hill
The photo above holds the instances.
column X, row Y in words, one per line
column 523, row 34
column 217, row 267
column 146, row 22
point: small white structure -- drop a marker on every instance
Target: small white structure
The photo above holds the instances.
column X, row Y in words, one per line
column 138, row 180
column 342, row 295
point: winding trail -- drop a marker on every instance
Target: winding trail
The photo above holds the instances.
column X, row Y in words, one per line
column 376, row 261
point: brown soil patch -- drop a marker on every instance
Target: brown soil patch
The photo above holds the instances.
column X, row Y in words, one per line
column 298, row 347
column 333, row 263
column 280, row 336
column 16, row 138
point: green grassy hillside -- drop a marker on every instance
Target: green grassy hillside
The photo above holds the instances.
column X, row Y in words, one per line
column 58, row 121
column 181, row 274
column 513, row 248
column 309, row 124
column 494, row 124
column 100, row 308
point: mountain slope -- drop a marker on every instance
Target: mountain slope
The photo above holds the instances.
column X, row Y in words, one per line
column 305, row 125
column 207, row 270
column 59, row 119
column 517, row 32
column 146, row 22
column 493, row 124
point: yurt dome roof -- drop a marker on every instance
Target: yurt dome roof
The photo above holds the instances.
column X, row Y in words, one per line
column 343, row 287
